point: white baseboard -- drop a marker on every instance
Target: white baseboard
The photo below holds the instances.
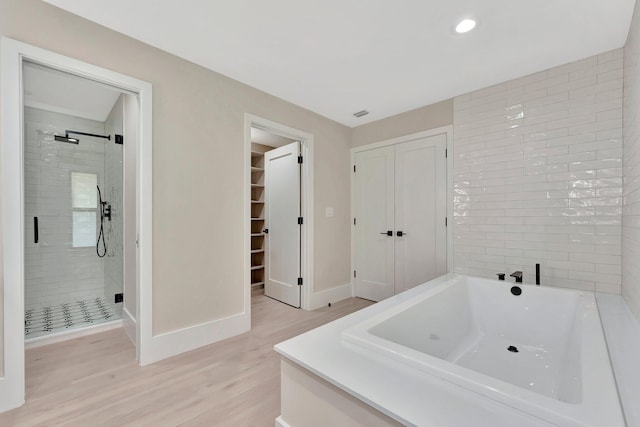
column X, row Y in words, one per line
column 9, row 399
column 129, row 324
column 69, row 335
column 281, row 423
column 322, row 298
column 175, row 342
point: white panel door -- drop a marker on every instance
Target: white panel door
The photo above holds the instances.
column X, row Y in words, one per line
column 282, row 209
column 420, row 211
column 374, row 219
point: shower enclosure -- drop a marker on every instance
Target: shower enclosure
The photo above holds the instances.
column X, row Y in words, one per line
column 73, row 220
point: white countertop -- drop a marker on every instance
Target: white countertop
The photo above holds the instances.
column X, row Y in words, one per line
column 622, row 332
column 407, row 395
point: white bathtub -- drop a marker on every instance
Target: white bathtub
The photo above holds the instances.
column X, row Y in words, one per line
column 542, row 352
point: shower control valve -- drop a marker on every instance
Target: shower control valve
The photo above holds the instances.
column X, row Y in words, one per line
column 106, row 210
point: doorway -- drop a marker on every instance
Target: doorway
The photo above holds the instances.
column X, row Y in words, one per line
column 280, row 220
column 74, row 210
column 401, row 233
column 69, row 187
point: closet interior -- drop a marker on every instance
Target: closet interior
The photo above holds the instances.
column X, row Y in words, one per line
column 257, row 214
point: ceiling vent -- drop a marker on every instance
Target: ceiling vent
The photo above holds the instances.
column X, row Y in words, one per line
column 361, row 113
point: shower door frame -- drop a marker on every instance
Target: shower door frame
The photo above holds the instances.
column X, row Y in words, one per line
column 13, row 54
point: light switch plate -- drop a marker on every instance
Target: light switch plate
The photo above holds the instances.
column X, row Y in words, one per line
column 328, row 212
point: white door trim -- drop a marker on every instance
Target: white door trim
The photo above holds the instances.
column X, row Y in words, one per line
column 306, row 149
column 447, row 130
column 11, row 119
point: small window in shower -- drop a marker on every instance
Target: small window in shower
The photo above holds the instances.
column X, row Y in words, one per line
column 84, row 203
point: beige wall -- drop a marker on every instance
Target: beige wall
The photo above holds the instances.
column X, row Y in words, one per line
column 198, row 160
column 424, row 118
column 631, row 169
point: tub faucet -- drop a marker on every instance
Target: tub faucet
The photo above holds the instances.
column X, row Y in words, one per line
column 517, row 275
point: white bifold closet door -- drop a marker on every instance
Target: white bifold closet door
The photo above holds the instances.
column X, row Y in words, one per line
column 282, row 210
column 400, row 207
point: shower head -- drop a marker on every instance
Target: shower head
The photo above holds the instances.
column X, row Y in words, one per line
column 67, row 139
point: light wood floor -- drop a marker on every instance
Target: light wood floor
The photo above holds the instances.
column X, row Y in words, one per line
column 95, row 381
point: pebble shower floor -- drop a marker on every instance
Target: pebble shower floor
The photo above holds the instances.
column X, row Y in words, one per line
column 57, row 318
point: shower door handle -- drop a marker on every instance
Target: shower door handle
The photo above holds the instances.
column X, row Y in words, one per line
column 36, row 234
column 387, row 233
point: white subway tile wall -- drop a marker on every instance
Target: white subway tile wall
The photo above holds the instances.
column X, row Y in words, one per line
column 631, row 170
column 538, row 176
column 55, row 272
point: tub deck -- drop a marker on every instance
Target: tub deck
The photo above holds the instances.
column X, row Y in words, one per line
column 398, row 390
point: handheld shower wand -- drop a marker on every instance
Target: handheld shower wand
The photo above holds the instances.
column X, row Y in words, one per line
column 105, row 212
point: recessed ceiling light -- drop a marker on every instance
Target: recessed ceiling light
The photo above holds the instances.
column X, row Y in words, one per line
column 465, row 26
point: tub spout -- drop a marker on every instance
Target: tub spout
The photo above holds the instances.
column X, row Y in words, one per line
column 517, row 275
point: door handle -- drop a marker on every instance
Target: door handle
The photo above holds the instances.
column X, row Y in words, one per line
column 401, row 233
column 36, row 230
column 388, row 233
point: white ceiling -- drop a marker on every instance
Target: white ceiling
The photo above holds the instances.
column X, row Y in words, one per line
column 336, row 57
column 65, row 93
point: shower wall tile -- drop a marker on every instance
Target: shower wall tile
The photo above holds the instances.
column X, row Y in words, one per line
column 538, row 176
column 631, row 170
column 55, row 272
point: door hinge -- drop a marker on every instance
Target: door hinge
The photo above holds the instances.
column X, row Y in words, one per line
column 446, row 153
column 299, row 281
column 446, row 221
column 354, row 273
column 300, row 159
column 300, row 220
column 354, row 221
column 354, row 168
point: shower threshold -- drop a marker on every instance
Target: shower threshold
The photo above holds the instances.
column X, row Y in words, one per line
column 50, row 320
